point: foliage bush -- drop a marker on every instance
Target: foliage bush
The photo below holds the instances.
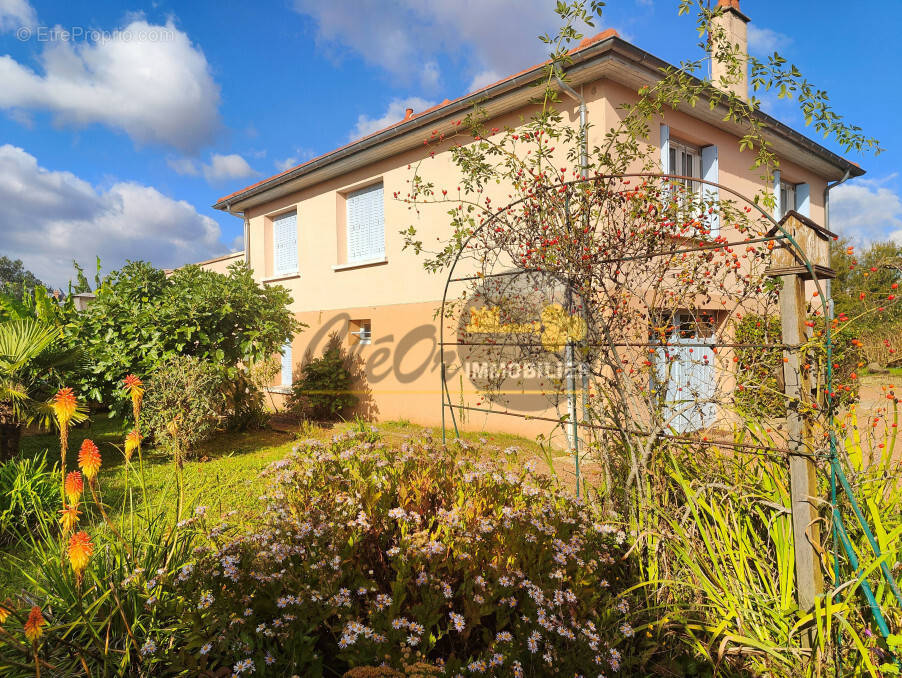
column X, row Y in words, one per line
column 372, row 555
column 759, row 374
column 29, row 492
column 759, row 371
column 142, row 317
column 190, row 392
column 324, row 391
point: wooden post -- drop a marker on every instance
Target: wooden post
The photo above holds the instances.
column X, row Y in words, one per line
column 802, row 478
column 791, row 266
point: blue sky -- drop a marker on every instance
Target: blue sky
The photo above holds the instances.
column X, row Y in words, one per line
column 117, row 143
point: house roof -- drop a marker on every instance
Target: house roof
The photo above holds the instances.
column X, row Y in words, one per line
column 603, row 55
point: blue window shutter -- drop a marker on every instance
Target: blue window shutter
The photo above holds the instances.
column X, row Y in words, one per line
column 285, row 243
column 286, row 365
column 711, row 172
column 665, row 149
column 778, row 208
column 803, row 199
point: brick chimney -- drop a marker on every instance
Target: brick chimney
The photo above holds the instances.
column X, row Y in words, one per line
column 735, row 28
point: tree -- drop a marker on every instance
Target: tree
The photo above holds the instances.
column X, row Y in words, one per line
column 31, row 355
column 15, row 279
column 141, row 318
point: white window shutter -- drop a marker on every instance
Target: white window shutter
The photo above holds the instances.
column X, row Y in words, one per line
column 366, row 224
column 711, row 172
column 665, row 150
column 285, row 243
column 803, row 200
column 778, row 208
column 286, row 365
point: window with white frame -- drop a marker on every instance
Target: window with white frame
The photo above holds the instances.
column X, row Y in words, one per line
column 686, row 160
column 361, row 331
column 787, row 198
column 285, row 243
column 365, row 224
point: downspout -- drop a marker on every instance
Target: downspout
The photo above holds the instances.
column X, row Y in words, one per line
column 828, row 283
column 247, row 233
column 583, row 127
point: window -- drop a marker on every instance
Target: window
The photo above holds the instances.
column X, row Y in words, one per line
column 361, row 331
column 285, row 243
column 686, row 161
column 366, row 224
column 287, row 376
column 787, row 198
column 684, row 375
column 690, row 161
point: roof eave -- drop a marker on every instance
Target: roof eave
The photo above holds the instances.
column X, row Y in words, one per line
column 610, row 47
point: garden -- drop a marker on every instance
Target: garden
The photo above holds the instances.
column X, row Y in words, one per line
column 157, row 519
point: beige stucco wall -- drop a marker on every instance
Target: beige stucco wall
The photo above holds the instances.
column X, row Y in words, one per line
column 400, row 367
column 221, row 264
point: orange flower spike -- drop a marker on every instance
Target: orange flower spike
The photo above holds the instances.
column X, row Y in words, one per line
column 34, row 627
column 135, row 388
column 74, row 486
column 69, row 518
column 89, row 459
column 132, row 443
column 4, row 611
column 64, row 405
column 80, row 551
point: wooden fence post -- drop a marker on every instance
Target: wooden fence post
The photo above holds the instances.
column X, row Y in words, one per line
column 788, row 265
column 802, row 472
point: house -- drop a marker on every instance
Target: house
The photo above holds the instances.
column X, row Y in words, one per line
column 328, row 229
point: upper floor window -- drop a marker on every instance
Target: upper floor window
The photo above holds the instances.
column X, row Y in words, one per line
column 366, row 224
column 787, row 198
column 285, row 243
column 686, row 161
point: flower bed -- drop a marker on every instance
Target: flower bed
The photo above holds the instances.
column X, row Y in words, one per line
column 418, row 556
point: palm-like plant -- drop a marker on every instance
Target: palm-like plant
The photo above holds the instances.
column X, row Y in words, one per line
column 30, row 353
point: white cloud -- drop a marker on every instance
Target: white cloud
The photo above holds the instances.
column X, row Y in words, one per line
column 220, row 167
column 16, row 14
column 483, row 79
column 148, row 81
column 184, row 166
column 223, row 167
column 405, row 36
column 395, row 113
column 48, row 218
column 767, row 41
column 867, row 210
column 300, row 155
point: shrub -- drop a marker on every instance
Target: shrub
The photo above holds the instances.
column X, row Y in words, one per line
column 245, row 394
column 29, row 490
column 418, row 555
column 142, row 317
column 189, row 392
column 324, row 391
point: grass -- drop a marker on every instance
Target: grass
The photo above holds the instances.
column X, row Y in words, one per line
column 224, row 473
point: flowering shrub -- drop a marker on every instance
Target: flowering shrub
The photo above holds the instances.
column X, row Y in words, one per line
column 374, row 556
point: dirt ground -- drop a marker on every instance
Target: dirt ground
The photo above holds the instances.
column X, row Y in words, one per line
column 876, row 414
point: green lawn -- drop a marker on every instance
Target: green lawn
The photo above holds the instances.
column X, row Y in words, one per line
column 224, row 474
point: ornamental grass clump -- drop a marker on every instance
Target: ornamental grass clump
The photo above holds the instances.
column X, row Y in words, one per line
column 456, row 559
